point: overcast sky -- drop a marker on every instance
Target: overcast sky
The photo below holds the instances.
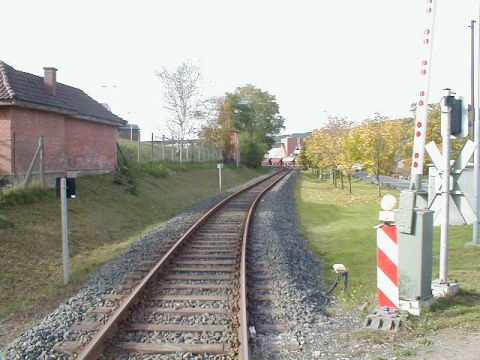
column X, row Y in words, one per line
column 349, row 58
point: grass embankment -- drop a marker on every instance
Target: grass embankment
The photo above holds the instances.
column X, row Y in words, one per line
column 339, row 228
column 109, row 213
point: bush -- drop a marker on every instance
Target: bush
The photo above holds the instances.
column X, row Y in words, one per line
column 4, row 222
column 18, row 195
column 252, row 150
column 154, row 169
column 126, row 177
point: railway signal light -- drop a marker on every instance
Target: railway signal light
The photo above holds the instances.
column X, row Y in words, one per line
column 453, row 110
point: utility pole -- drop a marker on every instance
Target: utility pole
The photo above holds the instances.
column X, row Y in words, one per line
column 446, row 132
column 472, row 73
column 476, row 139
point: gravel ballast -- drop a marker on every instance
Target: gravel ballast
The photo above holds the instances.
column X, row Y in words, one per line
column 313, row 333
column 38, row 342
column 277, row 246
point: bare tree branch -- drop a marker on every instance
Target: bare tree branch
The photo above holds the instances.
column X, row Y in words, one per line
column 182, row 98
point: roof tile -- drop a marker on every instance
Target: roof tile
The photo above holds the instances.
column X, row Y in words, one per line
column 21, row 86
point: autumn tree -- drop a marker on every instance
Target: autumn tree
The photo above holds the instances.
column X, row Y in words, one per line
column 379, row 145
column 182, row 95
column 351, row 154
column 219, row 127
column 324, row 147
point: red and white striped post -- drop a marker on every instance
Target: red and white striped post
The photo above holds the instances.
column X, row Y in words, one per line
column 387, row 255
column 387, row 266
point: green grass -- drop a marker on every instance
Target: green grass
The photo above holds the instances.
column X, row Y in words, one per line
column 339, row 228
column 105, row 219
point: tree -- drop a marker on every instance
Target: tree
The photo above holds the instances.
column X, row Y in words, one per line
column 256, row 113
column 219, row 127
column 324, row 147
column 379, row 145
column 351, row 154
column 182, row 98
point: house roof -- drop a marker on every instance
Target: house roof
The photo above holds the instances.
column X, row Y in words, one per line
column 129, row 127
column 275, row 153
column 24, row 89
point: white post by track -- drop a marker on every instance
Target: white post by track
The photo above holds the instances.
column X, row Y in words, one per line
column 64, row 209
column 421, row 118
column 219, row 167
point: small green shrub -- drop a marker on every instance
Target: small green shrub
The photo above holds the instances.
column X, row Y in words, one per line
column 4, row 223
column 126, row 176
column 117, row 178
column 154, row 169
column 18, row 195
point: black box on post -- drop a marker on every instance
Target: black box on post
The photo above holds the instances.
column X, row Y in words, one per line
column 71, row 191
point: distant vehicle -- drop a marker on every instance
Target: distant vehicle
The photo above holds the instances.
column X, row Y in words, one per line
column 357, row 167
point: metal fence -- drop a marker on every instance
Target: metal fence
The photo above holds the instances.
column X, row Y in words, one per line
column 24, row 158
column 164, row 149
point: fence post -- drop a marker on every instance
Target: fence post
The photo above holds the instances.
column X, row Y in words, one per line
column 138, row 150
column 163, row 147
column 152, row 146
column 14, row 157
column 26, row 180
column 42, row 160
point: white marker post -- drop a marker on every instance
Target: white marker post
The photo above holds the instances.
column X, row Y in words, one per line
column 220, row 167
column 66, row 255
column 446, row 131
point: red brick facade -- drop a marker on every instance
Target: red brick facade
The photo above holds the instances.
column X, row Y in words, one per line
column 70, row 144
column 5, row 143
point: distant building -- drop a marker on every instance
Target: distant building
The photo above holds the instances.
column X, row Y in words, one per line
column 80, row 135
column 284, row 152
column 129, row 132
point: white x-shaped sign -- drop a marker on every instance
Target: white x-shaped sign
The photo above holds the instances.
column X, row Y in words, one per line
column 456, row 193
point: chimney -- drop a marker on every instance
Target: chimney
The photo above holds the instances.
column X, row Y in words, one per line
column 50, row 80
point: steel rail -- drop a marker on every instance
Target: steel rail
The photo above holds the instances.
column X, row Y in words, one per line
column 243, row 350
column 94, row 348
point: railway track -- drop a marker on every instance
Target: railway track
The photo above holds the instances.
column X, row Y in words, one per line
column 192, row 300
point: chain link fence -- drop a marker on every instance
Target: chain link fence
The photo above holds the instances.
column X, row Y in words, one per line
column 164, row 149
column 22, row 159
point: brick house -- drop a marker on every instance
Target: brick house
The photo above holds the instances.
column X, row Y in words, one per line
column 80, row 135
column 129, row 132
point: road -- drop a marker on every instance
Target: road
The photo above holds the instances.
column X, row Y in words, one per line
column 400, row 184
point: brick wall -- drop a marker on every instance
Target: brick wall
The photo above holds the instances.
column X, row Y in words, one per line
column 28, row 125
column 5, row 141
column 90, row 145
column 290, row 144
column 70, row 144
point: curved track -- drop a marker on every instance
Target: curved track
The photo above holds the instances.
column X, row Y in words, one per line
column 193, row 299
